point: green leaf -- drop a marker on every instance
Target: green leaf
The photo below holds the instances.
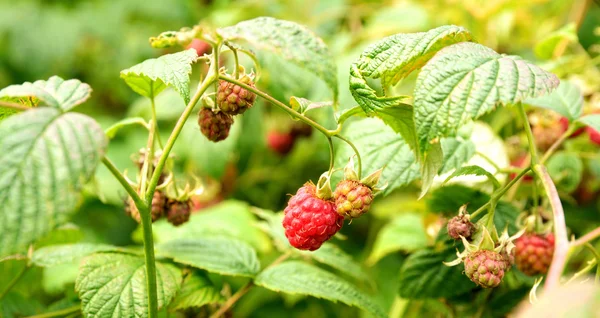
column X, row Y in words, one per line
column 67, row 253
column 393, row 58
column 432, row 163
column 330, row 254
column 114, row 285
column 566, row 100
column 290, row 41
column 219, row 255
column 152, row 76
column 467, row 80
column 46, row 157
column 400, row 118
column 405, row 233
column 456, row 153
column 68, row 233
column 302, row 105
column 566, row 169
column 55, row 92
column 450, row 198
column 295, row 277
column 545, row 48
column 196, row 291
column 474, row 170
column 423, row 275
column 592, row 120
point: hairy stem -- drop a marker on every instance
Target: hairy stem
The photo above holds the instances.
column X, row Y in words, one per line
column 358, row 159
column 119, row 176
column 331, row 155
column 530, row 140
column 14, row 106
column 500, row 192
column 58, row 313
column 146, row 219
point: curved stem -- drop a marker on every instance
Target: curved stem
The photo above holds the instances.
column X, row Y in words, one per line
column 500, row 192
column 557, row 143
column 58, row 313
column 355, row 151
column 13, row 106
column 489, row 160
column 119, row 176
column 586, row 238
column 530, row 140
column 331, row 155
column 597, row 256
column 155, row 121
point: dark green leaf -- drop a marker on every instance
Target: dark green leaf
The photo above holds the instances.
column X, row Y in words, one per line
column 196, row 291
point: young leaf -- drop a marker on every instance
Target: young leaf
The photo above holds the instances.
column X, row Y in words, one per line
column 330, row 254
column 46, row 157
column 302, row 105
column 67, row 253
column 219, row 255
column 295, row 277
column 393, row 58
column 404, row 233
column 566, row 169
column 566, row 100
column 467, row 80
column 592, row 120
column 152, row 76
column 290, row 41
column 196, row 291
column 474, row 170
column 114, row 285
column 423, row 275
column 55, row 92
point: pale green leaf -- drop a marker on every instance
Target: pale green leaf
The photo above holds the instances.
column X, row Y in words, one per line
column 400, row 118
column 114, row 285
column 405, row 233
column 196, row 291
column 431, row 165
column 55, row 92
column 467, row 80
column 592, row 120
column 456, row 153
column 46, row 157
column 423, row 275
column 225, row 256
column 330, row 254
column 566, row 170
column 152, row 76
column 474, row 170
column 295, row 277
column 545, row 48
column 290, row 41
column 67, row 253
column 68, row 233
column 566, row 100
column 302, row 105
column 393, row 58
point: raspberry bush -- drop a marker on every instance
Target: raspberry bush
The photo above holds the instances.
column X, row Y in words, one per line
column 405, row 180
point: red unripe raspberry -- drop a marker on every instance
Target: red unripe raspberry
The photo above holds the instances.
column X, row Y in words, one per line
column 233, row 99
column 352, row 198
column 533, row 253
column 178, row 212
column 200, row 46
column 594, row 135
column 281, row 143
column 564, row 124
column 310, row 221
column 460, row 226
column 485, row 268
column 521, row 162
column 215, row 126
column 157, row 209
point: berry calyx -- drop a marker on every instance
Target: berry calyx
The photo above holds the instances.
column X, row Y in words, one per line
column 309, row 221
column 281, row 143
column 533, row 253
column 178, row 212
column 233, row 99
column 460, row 225
column 214, row 125
column 157, row 209
column 485, row 268
column 352, row 198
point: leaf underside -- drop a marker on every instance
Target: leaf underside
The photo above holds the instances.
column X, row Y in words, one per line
column 55, row 92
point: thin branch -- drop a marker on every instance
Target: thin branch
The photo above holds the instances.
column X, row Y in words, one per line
column 586, row 238
column 13, row 106
column 557, row 143
column 232, row 300
column 355, row 151
column 130, row 190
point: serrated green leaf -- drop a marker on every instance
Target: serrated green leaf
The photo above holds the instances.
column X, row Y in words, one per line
column 196, row 291
column 393, row 58
column 152, row 76
column 55, row 92
column 290, row 41
column 405, row 233
column 114, row 285
column 225, row 256
column 330, row 254
column 423, row 275
column 592, row 120
column 67, row 253
column 566, row 170
column 400, row 118
column 431, row 165
column 566, row 100
column 302, row 105
column 456, row 153
column 46, row 157
column 295, row 277
column 474, row 170
column 467, row 80
column 545, row 48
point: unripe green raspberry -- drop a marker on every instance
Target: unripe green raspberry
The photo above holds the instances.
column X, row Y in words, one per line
column 233, row 99
column 215, row 126
column 352, row 198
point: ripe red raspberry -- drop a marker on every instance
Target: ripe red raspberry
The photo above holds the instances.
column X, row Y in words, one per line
column 281, row 143
column 352, row 198
column 460, row 225
column 310, row 221
column 485, row 268
column 233, row 99
column 594, row 135
column 157, row 210
column 215, row 126
column 533, row 253
column 178, row 212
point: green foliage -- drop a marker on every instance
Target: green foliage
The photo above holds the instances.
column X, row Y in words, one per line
column 61, row 254
column 566, row 170
column 405, row 233
column 225, row 256
column 456, row 153
column 474, row 170
column 290, row 41
column 330, row 254
column 55, row 92
column 565, row 100
column 152, row 76
column 592, row 120
column 196, row 291
column 302, row 105
column 546, row 47
column 114, row 285
column 301, row 278
column 47, row 156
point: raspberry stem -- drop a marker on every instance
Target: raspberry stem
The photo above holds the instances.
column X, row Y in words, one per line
column 13, row 106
